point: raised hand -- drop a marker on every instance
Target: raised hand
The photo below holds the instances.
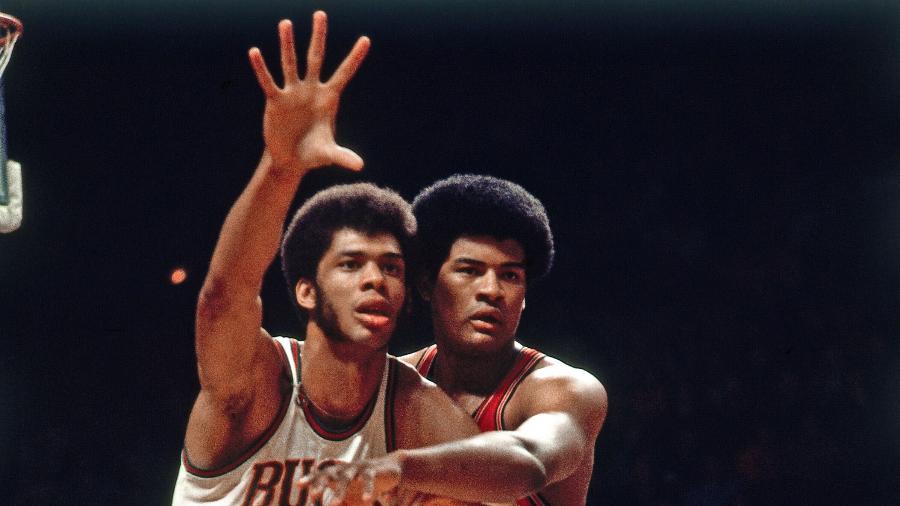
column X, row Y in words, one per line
column 299, row 119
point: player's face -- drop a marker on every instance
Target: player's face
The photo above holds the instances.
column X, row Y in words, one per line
column 479, row 294
column 360, row 288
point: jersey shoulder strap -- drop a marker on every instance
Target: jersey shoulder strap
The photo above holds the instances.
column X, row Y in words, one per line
column 489, row 415
column 289, row 350
column 426, row 360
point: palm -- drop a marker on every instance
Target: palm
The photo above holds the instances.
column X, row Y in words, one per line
column 298, row 124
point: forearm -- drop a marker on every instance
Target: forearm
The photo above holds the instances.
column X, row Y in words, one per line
column 229, row 313
column 251, row 233
column 458, row 469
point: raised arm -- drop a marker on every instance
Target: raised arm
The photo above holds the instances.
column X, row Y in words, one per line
column 238, row 365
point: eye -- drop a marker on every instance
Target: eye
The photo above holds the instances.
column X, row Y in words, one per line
column 467, row 270
column 349, row 265
column 512, row 276
column 392, row 269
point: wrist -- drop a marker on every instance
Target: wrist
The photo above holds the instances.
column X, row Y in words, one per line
column 283, row 171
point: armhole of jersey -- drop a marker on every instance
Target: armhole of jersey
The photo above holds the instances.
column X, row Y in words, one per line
column 288, row 361
column 390, row 431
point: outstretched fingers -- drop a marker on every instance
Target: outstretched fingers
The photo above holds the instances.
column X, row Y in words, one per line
column 288, row 51
column 263, row 77
column 351, row 64
column 315, row 54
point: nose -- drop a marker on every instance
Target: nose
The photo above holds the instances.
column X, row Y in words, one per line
column 490, row 288
column 372, row 277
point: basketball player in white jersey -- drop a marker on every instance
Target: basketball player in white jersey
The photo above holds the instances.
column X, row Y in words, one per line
column 271, row 410
column 486, row 239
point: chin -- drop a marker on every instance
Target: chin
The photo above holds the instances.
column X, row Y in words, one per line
column 477, row 343
column 374, row 340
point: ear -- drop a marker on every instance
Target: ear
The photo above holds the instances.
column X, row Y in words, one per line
column 305, row 293
column 425, row 287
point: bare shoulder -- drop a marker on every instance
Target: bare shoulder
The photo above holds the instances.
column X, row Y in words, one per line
column 557, row 386
column 555, row 374
column 414, row 391
column 424, row 414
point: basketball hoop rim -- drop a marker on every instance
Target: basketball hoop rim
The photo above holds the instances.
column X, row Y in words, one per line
column 11, row 21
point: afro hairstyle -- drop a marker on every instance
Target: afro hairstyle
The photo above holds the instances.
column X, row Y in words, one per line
column 466, row 204
column 362, row 207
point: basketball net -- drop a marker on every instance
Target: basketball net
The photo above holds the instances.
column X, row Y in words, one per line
column 10, row 171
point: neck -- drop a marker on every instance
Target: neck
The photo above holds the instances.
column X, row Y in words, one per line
column 458, row 372
column 339, row 379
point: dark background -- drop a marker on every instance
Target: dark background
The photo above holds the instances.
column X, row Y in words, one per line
column 723, row 184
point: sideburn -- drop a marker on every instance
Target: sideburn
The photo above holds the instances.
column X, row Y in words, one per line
column 324, row 316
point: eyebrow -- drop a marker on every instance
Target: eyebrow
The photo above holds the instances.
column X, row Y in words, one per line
column 466, row 260
column 359, row 253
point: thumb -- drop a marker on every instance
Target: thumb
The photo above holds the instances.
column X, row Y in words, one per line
column 347, row 158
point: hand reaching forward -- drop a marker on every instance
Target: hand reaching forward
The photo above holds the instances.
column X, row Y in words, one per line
column 299, row 119
column 355, row 483
column 374, row 481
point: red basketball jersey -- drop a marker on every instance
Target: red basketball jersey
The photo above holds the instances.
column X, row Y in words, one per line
column 489, row 415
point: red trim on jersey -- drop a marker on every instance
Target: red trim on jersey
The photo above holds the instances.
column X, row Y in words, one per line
column 390, row 434
column 489, row 415
column 532, row 500
column 262, row 440
column 335, row 433
column 425, row 361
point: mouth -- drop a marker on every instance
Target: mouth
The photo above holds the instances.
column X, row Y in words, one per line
column 486, row 320
column 375, row 313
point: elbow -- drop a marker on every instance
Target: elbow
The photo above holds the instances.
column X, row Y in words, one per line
column 212, row 304
column 535, row 474
column 213, row 299
column 541, row 466
column 213, row 352
column 527, row 475
column 221, row 295
column 530, row 474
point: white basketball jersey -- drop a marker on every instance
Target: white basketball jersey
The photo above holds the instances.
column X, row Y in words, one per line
column 295, row 444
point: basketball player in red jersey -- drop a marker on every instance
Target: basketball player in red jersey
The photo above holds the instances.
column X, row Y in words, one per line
column 484, row 239
column 261, row 421
column 487, row 239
